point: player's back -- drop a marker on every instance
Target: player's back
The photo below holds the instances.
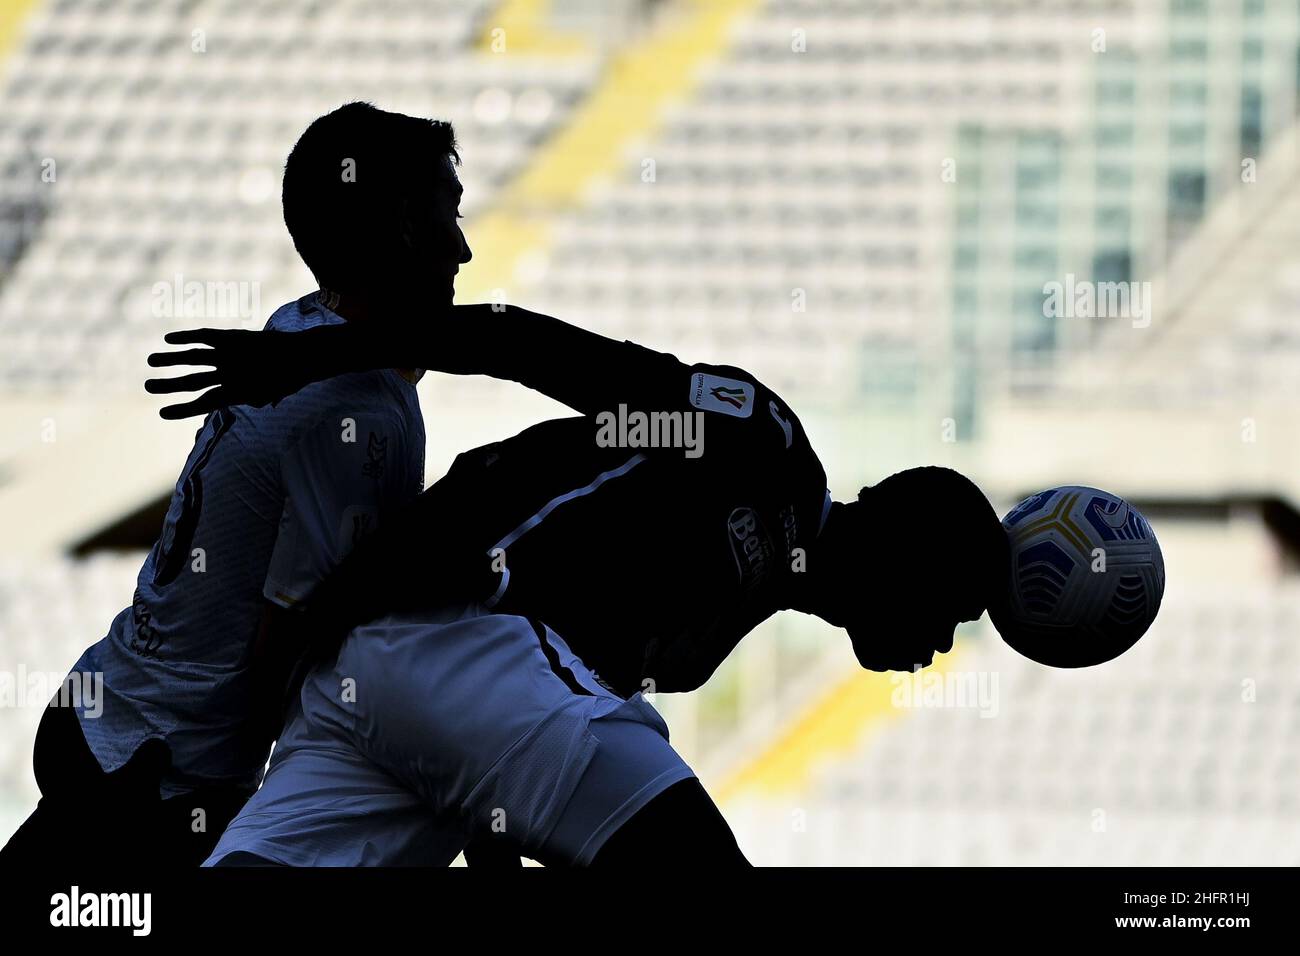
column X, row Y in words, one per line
column 268, row 501
column 651, row 563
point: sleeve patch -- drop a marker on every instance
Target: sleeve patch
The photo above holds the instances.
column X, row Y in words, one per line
column 730, row 396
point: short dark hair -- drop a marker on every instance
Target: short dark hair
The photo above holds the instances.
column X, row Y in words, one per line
column 343, row 227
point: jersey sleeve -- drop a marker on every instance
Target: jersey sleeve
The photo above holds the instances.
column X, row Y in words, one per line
column 738, row 417
column 609, row 380
column 339, row 478
column 744, row 412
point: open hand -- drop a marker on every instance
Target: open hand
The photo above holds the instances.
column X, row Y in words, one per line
column 248, row 368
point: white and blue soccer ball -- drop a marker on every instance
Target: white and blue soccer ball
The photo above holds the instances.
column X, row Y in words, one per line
column 1087, row 577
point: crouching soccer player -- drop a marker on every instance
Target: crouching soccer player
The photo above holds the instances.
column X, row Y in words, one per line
column 499, row 634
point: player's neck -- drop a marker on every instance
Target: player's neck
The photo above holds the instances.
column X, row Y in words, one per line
column 812, row 590
column 359, row 310
column 807, row 590
column 355, row 308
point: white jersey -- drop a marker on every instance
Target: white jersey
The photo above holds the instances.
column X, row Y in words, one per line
column 269, row 501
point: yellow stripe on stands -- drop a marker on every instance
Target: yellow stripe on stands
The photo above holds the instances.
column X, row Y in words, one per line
column 523, row 29
column 12, row 15
column 832, row 727
column 628, row 104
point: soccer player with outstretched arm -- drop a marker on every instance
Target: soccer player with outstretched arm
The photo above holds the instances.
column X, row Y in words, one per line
column 479, row 664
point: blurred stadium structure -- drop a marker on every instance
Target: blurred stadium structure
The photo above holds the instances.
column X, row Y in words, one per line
column 862, row 202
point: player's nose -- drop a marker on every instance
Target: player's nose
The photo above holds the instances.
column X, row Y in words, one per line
column 466, row 254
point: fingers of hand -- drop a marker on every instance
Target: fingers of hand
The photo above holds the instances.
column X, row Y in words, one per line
column 184, row 357
column 197, row 336
column 183, row 383
column 207, row 402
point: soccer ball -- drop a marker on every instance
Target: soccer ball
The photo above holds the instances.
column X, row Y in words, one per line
column 1087, row 577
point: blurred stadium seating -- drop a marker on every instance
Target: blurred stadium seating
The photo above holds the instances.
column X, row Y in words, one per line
column 861, row 202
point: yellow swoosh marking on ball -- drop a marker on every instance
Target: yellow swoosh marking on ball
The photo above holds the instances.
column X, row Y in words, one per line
column 1061, row 521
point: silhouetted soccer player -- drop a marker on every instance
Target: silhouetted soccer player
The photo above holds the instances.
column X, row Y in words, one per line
column 268, row 502
column 612, row 568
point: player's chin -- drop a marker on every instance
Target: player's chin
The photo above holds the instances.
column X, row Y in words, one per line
column 896, row 666
column 872, row 659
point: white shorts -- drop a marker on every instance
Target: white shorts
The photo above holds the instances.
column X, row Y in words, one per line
column 427, row 728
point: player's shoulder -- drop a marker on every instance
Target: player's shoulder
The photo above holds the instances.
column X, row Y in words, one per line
column 738, row 393
column 351, row 404
column 380, row 399
column 362, row 402
column 753, row 423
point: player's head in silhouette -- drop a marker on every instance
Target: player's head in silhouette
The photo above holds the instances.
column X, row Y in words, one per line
column 899, row 568
column 371, row 199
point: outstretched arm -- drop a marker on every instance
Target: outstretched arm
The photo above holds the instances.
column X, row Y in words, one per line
column 584, row 370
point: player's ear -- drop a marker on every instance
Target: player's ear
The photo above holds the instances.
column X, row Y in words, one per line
column 409, row 225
